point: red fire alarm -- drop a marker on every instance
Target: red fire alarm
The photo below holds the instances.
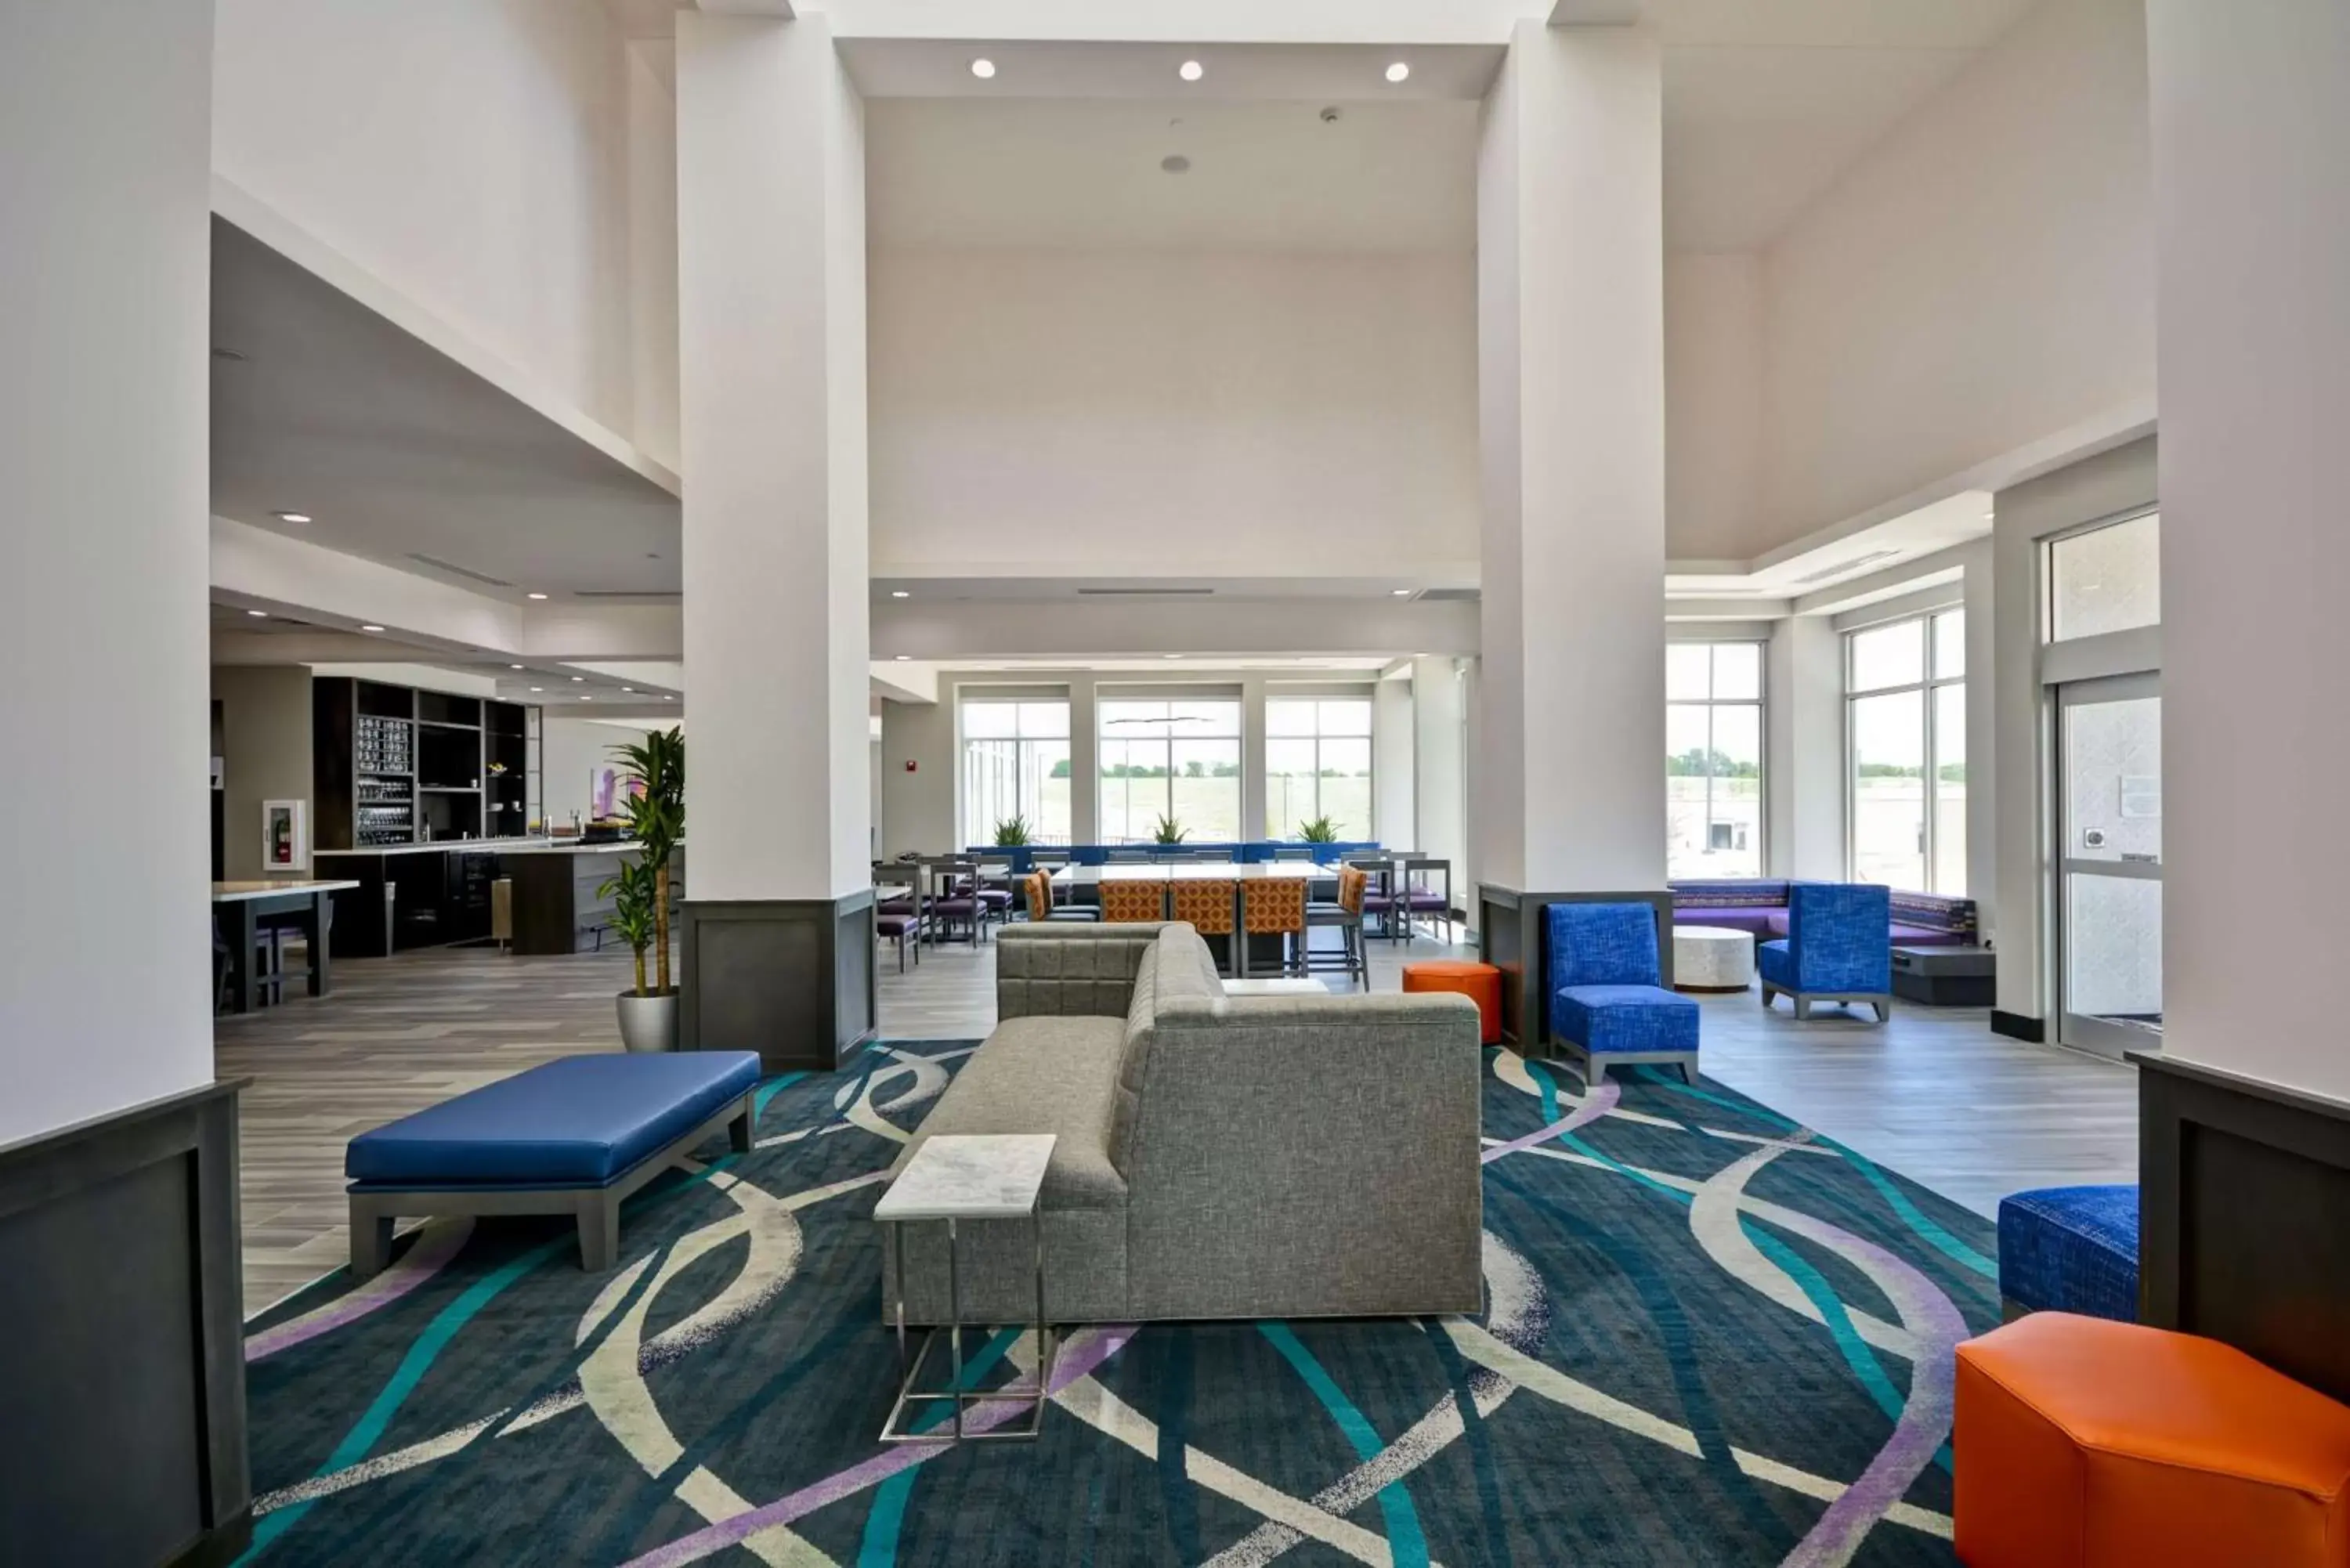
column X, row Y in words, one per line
column 910, row 765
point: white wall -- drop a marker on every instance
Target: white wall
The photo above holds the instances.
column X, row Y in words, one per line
column 1713, row 406
column 2251, row 123
column 1984, row 280
column 1394, row 798
column 266, row 754
column 470, row 153
column 1259, row 413
column 652, row 250
column 918, row 807
column 574, row 752
column 105, row 954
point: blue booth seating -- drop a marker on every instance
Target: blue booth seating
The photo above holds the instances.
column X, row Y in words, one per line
column 1608, row 1006
column 574, row 1136
column 1834, row 948
column 2070, row 1249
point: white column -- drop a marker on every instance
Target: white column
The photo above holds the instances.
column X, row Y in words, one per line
column 770, row 348
column 1085, row 763
column 1395, row 823
column 104, row 140
column 1252, row 792
column 1802, row 693
column 1440, row 782
column 1570, row 305
column 2252, row 246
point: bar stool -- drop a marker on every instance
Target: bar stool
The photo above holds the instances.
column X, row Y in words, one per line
column 1274, row 906
column 1346, row 915
column 1208, row 906
column 1125, row 903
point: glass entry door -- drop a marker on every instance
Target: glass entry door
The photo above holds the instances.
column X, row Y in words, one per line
column 2109, row 862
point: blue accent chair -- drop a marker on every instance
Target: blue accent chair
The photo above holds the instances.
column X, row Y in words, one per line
column 1607, row 1004
column 1834, row 948
column 2069, row 1248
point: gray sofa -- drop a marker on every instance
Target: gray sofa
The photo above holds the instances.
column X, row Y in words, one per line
column 1218, row 1157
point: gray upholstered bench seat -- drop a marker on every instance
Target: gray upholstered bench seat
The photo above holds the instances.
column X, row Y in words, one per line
column 1043, row 1075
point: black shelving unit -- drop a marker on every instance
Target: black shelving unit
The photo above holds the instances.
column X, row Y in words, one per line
column 394, row 765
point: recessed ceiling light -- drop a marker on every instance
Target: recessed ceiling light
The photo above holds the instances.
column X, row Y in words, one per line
column 291, row 516
column 262, row 614
column 539, row 596
column 1400, row 593
column 1170, row 656
column 578, row 678
column 898, row 593
column 904, row 657
column 627, row 689
column 669, row 699
column 514, row 667
column 587, row 699
column 1399, row 71
column 370, row 628
column 538, row 688
column 984, row 69
column 1190, row 70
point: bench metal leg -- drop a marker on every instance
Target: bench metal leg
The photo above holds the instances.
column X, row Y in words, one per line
column 599, row 1230
column 370, row 1239
column 739, row 1130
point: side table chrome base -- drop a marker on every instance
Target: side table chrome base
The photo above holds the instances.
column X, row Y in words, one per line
column 1036, row 1395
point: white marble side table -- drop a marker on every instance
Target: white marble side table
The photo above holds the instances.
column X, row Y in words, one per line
column 953, row 1177
column 1294, row 986
column 1712, row 958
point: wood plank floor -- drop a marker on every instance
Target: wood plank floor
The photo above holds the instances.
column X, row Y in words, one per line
column 1934, row 1093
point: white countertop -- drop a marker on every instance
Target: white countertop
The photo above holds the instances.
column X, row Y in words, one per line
column 492, row 847
column 237, row 892
column 970, row 1177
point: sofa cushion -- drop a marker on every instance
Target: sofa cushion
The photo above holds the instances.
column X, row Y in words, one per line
column 1620, row 1018
column 1043, row 1075
column 581, row 1121
column 1753, row 918
column 1929, row 936
column 1726, row 892
column 2070, row 1249
column 1179, row 973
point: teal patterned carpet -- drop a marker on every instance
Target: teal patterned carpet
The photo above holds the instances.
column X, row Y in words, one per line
column 1711, row 1337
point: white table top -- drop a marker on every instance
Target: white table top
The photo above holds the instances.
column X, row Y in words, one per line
column 236, row 892
column 1197, row 871
column 1292, row 986
column 970, row 1177
column 1711, row 934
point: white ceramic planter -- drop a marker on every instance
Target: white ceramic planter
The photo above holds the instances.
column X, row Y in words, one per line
column 649, row 1022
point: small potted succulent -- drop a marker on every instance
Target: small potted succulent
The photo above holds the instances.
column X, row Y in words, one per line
column 654, row 771
column 1169, row 831
column 1012, row 832
column 1320, row 830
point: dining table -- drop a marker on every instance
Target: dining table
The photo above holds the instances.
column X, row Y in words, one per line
column 238, row 909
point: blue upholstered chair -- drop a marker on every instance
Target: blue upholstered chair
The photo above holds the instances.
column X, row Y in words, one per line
column 1607, row 1004
column 2069, row 1248
column 1836, row 947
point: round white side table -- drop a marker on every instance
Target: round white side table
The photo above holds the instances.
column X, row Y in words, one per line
column 1712, row 958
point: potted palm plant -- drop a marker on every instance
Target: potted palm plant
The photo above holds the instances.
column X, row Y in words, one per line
column 654, row 770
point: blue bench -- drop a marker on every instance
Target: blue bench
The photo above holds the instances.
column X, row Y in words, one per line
column 574, row 1136
column 2069, row 1248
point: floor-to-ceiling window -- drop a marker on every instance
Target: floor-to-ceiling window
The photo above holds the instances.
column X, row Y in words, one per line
column 1906, row 752
column 1015, row 764
column 1317, row 764
column 1713, row 759
column 1173, row 759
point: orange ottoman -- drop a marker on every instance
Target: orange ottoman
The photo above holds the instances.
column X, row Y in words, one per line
column 1480, row 982
column 2085, row 1443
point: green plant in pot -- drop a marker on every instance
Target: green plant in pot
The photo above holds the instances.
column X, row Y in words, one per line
column 653, row 771
column 1012, row 832
column 1320, row 830
column 1169, row 831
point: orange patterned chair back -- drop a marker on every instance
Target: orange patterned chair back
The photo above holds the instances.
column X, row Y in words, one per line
column 1123, row 901
column 1207, row 905
column 1273, row 903
column 1351, row 882
column 1040, row 894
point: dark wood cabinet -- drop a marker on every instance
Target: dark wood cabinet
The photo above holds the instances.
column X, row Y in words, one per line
column 394, row 765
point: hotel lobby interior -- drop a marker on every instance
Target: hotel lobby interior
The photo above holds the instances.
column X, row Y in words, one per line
column 934, row 819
